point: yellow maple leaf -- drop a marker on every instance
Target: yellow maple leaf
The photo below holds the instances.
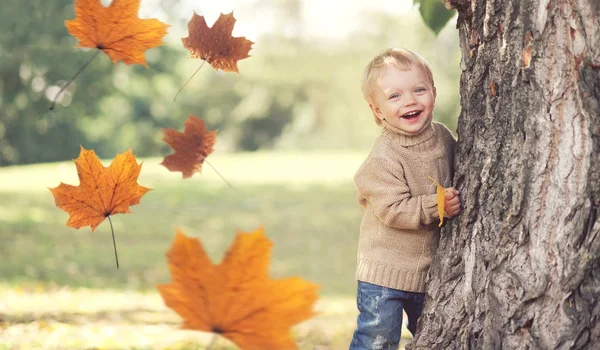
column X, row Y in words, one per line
column 441, row 199
column 236, row 298
column 116, row 29
column 102, row 191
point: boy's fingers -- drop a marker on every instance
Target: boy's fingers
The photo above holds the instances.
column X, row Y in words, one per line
column 452, row 206
column 451, row 192
column 452, row 201
column 454, row 211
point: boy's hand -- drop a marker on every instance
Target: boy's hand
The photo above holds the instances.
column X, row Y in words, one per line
column 452, row 201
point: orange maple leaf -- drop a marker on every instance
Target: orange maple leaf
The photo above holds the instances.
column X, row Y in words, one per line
column 102, row 191
column 236, row 298
column 191, row 147
column 116, row 29
column 216, row 45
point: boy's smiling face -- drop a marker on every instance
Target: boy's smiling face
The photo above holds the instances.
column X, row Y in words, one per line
column 404, row 99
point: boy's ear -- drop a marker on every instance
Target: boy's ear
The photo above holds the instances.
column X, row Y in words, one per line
column 376, row 110
column 434, row 94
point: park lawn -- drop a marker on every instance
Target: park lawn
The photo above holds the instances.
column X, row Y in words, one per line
column 305, row 202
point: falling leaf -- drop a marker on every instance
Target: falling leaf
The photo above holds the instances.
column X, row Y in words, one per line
column 216, row 45
column 236, row 298
column 116, row 29
column 191, row 147
column 102, row 191
column 441, row 199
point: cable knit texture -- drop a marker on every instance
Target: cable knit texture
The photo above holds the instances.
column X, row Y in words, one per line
column 398, row 232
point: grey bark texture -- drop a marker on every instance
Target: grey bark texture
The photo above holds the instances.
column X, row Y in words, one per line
column 519, row 268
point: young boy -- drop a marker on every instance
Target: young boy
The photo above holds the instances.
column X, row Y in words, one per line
column 399, row 230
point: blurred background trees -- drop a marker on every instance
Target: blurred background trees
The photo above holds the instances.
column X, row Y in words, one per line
column 297, row 90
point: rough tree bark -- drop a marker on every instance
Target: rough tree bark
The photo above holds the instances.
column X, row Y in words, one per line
column 520, row 267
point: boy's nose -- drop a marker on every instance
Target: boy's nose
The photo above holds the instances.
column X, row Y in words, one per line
column 410, row 101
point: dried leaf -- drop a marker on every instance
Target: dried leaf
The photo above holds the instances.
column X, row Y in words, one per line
column 102, row 191
column 215, row 45
column 441, row 199
column 191, row 147
column 236, row 298
column 527, row 44
column 116, row 29
column 493, row 88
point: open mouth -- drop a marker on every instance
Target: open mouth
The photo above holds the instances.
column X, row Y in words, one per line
column 412, row 115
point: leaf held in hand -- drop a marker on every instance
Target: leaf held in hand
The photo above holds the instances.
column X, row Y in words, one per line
column 102, row 191
column 116, row 29
column 441, row 199
column 236, row 298
column 191, row 147
column 216, row 45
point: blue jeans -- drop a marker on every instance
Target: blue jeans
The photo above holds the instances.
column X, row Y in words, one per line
column 379, row 323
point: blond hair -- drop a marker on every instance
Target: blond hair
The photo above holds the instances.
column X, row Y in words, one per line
column 402, row 59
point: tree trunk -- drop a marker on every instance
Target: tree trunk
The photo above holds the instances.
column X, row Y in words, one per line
column 519, row 268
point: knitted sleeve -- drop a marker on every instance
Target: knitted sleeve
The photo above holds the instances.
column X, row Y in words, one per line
column 381, row 185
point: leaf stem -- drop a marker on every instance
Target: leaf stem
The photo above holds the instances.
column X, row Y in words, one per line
column 213, row 341
column 218, row 173
column 73, row 79
column 188, row 81
column 114, row 244
column 434, row 181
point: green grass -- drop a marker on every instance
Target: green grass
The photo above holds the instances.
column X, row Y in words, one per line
column 306, row 203
column 60, row 287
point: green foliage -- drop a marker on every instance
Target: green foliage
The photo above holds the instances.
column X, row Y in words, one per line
column 33, row 63
column 294, row 92
column 434, row 14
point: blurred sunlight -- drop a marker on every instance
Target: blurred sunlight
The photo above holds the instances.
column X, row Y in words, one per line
column 293, row 127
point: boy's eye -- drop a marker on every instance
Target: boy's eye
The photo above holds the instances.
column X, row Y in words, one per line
column 420, row 89
column 394, row 96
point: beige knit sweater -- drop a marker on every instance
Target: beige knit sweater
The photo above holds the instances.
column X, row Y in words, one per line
column 398, row 232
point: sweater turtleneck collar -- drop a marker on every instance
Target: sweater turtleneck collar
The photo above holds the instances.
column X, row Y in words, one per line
column 407, row 138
